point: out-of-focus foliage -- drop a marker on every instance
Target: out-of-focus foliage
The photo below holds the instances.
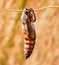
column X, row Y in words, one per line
column 46, row 50
column 11, row 40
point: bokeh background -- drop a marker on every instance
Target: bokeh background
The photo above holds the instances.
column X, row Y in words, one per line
column 46, row 50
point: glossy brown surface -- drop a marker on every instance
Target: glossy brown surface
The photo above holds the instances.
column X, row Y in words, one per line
column 28, row 17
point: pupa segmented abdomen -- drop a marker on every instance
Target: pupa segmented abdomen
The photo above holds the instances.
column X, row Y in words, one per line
column 29, row 41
